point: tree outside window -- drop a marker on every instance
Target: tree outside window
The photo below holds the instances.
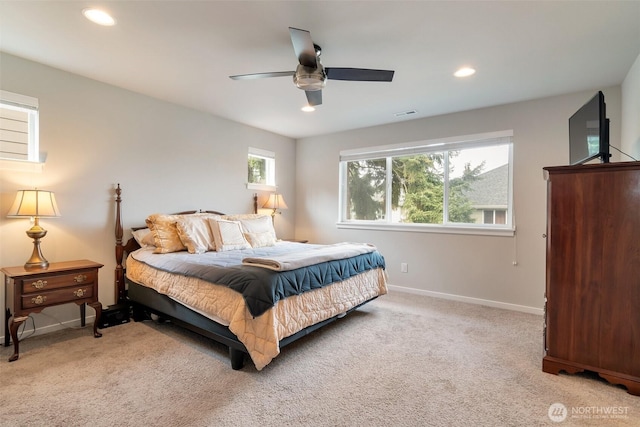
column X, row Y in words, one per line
column 444, row 187
column 261, row 169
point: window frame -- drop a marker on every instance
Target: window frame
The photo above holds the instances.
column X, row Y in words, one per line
column 29, row 106
column 425, row 147
column 270, row 169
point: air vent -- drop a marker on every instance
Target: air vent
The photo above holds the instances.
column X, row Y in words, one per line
column 406, row 113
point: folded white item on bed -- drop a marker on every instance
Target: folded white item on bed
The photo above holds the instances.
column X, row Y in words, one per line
column 309, row 257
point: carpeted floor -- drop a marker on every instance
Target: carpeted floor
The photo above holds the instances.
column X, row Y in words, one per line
column 402, row 360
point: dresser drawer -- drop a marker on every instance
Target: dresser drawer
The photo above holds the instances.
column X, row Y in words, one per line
column 45, row 299
column 39, row 285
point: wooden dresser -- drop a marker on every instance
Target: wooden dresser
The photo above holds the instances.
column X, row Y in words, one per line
column 592, row 304
column 32, row 290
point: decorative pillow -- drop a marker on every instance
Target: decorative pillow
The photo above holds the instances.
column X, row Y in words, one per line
column 165, row 233
column 239, row 217
column 259, row 230
column 228, row 235
column 195, row 233
column 148, row 240
column 144, row 237
column 260, row 240
column 260, row 224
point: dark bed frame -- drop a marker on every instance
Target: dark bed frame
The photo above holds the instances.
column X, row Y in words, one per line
column 145, row 301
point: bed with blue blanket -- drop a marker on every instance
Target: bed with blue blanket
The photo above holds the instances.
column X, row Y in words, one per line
column 255, row 298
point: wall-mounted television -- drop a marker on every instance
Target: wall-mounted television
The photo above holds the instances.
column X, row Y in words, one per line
column 589, row 132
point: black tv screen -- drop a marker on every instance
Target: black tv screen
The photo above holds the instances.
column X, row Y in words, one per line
column 589, row 132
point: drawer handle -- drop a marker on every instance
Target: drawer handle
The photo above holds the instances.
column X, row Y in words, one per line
column 39, row 299
column 79, row 293
column 80, row 278
column 39, row 284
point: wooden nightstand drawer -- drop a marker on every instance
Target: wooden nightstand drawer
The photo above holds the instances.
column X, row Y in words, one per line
column 33, row 290
column 64, row 295
column 39, row 285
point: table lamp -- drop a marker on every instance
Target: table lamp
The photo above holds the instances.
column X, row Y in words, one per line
column 36, row 204
column 275, row 202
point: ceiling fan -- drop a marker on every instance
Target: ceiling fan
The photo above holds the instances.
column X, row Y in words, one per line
column 311, row 76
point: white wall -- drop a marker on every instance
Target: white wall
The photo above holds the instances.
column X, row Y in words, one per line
column 465, row 266
column 631, row 111
column 167, row 158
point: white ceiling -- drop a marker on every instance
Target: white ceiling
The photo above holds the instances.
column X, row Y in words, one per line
column 184, row 51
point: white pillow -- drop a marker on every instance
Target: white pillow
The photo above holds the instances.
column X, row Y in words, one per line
column 258, row 229
column 195, row 234
column 260, row 240
column 228, row 235
column 258, row 224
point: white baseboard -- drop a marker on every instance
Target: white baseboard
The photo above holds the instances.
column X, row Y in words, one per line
column 470, row 300
column 75, row 323
column 41, row 330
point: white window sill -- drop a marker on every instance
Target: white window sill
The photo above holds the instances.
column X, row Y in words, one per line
column 20, row 166
column 261, row 187
column 431, row 228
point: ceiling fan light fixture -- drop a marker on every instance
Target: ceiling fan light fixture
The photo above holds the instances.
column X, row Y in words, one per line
column 310, row 79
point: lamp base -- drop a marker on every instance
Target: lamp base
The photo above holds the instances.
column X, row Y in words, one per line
column 37, row 260
column 42, row 265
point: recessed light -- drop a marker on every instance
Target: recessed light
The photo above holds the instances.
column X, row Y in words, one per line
column 308, row 108
column 464, row 72
column 98, row 16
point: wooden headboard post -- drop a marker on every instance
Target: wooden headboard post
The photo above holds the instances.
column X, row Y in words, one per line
column 132, row 245
column 119, row 277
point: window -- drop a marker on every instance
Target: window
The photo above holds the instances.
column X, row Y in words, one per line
column 461, row 183
column 261, row 170
column 18, row 127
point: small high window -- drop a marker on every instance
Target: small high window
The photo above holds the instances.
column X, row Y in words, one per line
column 18, row 127
column 261, row 170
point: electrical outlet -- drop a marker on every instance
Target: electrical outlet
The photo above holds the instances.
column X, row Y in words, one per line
column 404, row 267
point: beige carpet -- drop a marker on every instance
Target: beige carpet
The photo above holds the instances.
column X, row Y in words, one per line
column 402, row 360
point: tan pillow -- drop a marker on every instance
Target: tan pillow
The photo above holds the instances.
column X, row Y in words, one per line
column 143, row 236
column 195, row 233
column 148, row 239
column 165, row 233
column 228, row 235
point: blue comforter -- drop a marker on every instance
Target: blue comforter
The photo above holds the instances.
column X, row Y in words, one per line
column 261, row 288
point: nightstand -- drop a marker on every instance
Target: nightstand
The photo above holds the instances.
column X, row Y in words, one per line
column 31, row 290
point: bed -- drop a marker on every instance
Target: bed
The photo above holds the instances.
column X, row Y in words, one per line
column 229, row 278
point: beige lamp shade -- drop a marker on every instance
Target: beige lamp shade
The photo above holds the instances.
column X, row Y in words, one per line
column 34, row 203
column 275, row 202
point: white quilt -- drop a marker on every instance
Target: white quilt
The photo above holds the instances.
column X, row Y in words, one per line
column 312, row 256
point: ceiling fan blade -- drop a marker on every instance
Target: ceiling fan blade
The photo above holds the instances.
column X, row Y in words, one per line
column 262, row 75
column 303, row 47
column 314, row 97
column 359, row 74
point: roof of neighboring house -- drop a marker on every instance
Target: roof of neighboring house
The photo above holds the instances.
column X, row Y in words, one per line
column 490, row 189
